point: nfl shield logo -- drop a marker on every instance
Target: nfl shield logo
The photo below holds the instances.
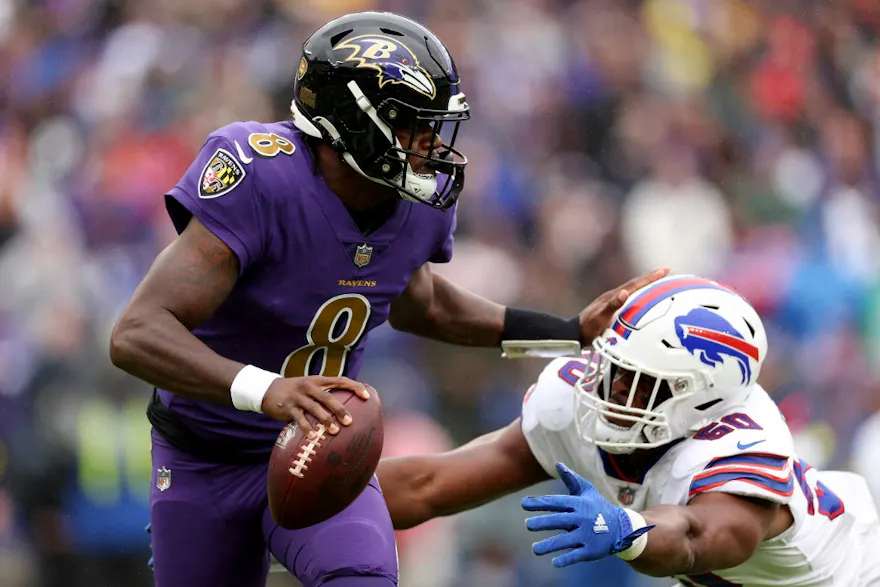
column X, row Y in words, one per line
column 626, row 495
column 362, row 255
column 285, row 435
column 163, row 479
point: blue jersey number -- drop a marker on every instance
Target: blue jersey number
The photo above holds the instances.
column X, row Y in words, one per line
column 725, row 426
column 571, row 372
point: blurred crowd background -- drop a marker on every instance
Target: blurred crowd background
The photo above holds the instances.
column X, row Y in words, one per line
column 736, row 139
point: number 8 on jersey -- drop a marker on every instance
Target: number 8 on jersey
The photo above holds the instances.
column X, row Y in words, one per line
column 337, row 327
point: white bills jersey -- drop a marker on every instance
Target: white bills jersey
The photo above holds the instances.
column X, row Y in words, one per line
column 748, row 451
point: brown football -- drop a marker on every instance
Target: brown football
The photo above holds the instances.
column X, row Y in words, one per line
column 313, row 480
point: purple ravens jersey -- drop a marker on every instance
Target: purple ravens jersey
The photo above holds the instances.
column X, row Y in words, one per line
column 311, row 285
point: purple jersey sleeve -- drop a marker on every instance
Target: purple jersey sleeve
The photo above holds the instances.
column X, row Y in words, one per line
column 443, row 254
column 220, row 191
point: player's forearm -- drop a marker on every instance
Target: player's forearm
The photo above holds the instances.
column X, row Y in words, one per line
column 424, row 487
column 436, row 308
column 407, row 484
column 160, row 350
column 670, row 548
column 419, row 488
column 714, row 531
column 683, row 543
column 462, row 317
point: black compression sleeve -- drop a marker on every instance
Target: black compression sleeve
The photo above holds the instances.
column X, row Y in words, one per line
column 520, row 324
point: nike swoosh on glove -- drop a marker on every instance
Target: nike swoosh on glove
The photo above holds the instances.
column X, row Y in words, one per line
column 594, row 528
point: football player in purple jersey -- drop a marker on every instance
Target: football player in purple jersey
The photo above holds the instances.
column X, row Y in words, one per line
column 296, row 239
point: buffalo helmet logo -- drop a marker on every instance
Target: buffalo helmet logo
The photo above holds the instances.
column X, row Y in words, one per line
column 709, row 337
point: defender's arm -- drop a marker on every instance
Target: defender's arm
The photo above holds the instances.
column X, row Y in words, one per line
column 714, row 531
column 419, row 488
column 186, row 284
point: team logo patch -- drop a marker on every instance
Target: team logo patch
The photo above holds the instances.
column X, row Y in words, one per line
column 303, row 66
column 222, row 173
column 710, row 338
column 362, row 255
column 394, row 62
column 163, row 479
column 626, row 495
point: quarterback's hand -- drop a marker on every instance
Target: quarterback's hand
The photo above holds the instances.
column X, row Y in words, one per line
column 290, row 398
column 594, row 528
column 597, row 316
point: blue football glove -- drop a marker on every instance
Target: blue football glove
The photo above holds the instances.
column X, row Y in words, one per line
column 593, row 527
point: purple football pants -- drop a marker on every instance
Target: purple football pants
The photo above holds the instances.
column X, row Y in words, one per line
column 211, row 527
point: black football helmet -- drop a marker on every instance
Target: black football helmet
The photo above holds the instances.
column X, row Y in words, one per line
column 363, row 76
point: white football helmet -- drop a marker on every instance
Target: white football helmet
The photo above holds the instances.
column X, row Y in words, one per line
column 697, row 344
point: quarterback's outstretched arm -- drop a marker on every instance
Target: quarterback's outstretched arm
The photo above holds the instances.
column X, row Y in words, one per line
column 714, row 531
column 419, row 488
column 436, row 308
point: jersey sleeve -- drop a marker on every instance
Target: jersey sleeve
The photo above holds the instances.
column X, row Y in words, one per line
column 766, row 476
column 748, row 453
column 443, row 253
column 221, row 192
column 548, row 415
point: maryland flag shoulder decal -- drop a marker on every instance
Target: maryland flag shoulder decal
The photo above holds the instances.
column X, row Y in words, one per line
column 222, row 173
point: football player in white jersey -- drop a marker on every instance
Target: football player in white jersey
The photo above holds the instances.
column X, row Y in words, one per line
column 680, row 463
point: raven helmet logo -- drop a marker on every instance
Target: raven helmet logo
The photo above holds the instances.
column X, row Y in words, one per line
column 362, row 255
column 303, row 66
column 709, row 337
column 394, row 62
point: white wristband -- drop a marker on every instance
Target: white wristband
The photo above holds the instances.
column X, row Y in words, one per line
column 249, row 388
column 641, row 542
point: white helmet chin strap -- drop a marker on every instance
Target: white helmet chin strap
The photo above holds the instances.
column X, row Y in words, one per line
column 417, row 188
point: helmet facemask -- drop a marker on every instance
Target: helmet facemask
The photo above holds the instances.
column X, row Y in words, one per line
column 377, row 153
column 637, row 416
